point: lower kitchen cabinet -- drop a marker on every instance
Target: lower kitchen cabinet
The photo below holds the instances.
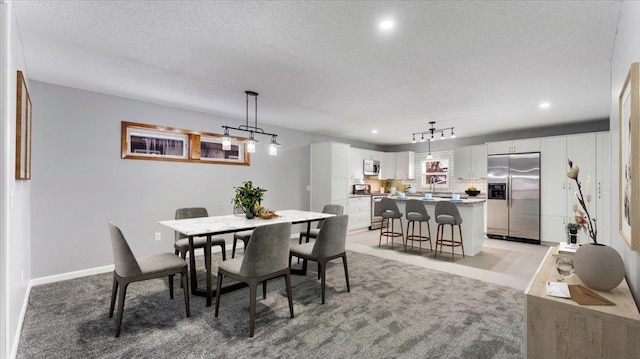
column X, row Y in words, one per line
column 359, row 211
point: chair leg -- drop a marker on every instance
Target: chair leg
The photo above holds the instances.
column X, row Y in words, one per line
column 171, row 286
column 300, row 239
column 419, row 234
column 323, row 277
column 207, row 257
column 452, row 246
column 114, row 290
column 287, row 280
column 429, row 230
column 252, row 308
column 185, row 285
column 346, row 271
column 461, row 241
column 393, row 230
column 121, row 296
column 233, row 251
column 380, row 237
column 224, row 251
column 408, row 224
column 264, row 289
column 218, row 288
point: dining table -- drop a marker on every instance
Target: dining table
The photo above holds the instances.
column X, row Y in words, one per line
column 217, row 225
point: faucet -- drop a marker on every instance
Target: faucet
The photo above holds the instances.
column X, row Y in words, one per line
column 432, row 185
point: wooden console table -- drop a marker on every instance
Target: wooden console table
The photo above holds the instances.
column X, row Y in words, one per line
column 561, row 328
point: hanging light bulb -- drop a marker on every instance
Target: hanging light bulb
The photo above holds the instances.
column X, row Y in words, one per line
column 422, row 138
column 273, row 146
column 429, row 157
column 226, row 140
column 413, row 139
column 453, row 135
column 251, row 144
column 442, row 135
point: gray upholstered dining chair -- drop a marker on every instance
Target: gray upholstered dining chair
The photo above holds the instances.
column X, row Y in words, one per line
column 329, row 245
column 181, row 244
column 265, row 258
column 328, row 208
column 128, row 269
column 389, row 212
column 447, row 214
column 416, row 212
column 244, row 236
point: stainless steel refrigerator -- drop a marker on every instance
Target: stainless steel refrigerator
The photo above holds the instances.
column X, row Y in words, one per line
column 513, row 197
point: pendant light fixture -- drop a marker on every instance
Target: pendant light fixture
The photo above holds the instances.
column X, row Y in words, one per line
column 251, row 141
column 431, row 131
column 429, row 156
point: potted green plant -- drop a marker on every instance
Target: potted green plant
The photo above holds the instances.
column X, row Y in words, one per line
column 386, row 184
column 247, row 197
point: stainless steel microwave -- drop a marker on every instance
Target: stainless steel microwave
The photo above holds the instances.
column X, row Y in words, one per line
column 371, row 168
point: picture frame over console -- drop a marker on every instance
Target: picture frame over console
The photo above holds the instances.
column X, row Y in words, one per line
column 23, row 129
column 629, row 158
column 159, row 143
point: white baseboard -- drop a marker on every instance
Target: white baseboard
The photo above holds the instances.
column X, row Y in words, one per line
column 23, row 311
column 71, row 275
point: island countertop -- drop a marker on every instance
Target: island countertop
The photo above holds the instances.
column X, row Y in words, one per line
column 437, row 199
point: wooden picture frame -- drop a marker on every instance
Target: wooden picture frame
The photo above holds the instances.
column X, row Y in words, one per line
column 141, row 141
column 23, row 129
column 629, row 158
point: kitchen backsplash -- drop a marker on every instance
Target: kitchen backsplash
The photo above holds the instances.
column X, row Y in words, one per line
column 455, row 185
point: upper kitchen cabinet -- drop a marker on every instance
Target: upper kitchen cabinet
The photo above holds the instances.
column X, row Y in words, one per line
column 470, row 162
column 356, row 158
column 388, row 166
column 405, row 165
column 329, row 174
column 516, row 146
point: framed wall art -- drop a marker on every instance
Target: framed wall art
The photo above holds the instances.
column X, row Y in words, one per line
column 149, row 142
column 23, row 130
column 629, row 158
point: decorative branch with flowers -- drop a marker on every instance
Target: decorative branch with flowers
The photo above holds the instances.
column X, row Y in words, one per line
column 583, row 218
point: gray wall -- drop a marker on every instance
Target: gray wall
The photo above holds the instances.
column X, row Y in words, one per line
column 80, row 183
column 625, row 53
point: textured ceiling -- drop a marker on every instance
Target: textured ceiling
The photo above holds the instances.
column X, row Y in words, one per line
column 325, row 67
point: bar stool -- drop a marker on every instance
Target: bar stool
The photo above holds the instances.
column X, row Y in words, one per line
column 389, row 211
column 416, row 212
column 447, row 214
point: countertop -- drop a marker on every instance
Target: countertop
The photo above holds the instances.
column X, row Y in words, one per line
column 438, row 199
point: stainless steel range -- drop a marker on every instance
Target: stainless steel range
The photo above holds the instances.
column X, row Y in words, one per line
column 376, row 210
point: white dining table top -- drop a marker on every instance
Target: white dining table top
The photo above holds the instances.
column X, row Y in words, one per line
column 235, row 223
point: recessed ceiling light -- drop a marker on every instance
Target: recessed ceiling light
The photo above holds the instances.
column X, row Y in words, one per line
column 545, row 105
column 386, row 24
column 374, row 131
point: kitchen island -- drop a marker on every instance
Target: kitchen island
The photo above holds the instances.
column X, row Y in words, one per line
column 471, row 211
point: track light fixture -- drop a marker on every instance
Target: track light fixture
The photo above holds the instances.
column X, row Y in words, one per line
column 431, row 131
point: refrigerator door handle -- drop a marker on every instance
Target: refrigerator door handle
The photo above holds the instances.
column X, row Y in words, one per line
column 509, row 191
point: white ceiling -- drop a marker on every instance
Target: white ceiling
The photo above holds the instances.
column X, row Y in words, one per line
column 325, row 67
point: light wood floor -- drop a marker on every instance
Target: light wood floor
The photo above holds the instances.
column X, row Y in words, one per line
column 501, row 262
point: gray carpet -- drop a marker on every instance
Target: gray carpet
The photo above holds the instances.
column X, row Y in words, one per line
column 394, row 310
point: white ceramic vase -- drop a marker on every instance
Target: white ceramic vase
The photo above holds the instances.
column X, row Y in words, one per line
column 598, row 266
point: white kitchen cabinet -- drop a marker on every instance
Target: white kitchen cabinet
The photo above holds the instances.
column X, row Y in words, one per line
column 356, row 165
column 581, row 149
column 359, row 212
column 515, row 146
column 388, row 166
column 591, row 153
column 470, row 162
column 405, row 165
column 602, row 189
column 329, row 174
